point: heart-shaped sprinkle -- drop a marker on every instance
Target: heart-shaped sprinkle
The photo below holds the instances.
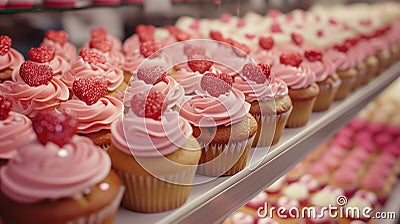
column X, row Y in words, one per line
column 56, row 127
column 145, row 32
column 149, row 105
column 148, row 48
column 89, row 90
column 254, row 73
column 102, row 44
column 92, row 57
column 151, row 74
column 99, row 32
column 5, row 44
column 293, row 59
column 58, row 36
column 35, row 74
column 214, row 85
column 200, row 63
column 313, row 55
column 179, row 34
column 216, row 35
column 297, row 38
column 266, row 42
column 42, row 54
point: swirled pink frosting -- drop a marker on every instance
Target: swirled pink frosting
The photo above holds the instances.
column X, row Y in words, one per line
column 81, row 69
column 188, row 79
column 39, row 172
column 205, row 111
column 340, row 59
column 295, row 77
column 95, row 117
column 322, row 69
column 114, row 57
column 262, row 55
column 29, row 100
column 147, row 137
column 132, row 62
column 66, row 50
column 11, row 60
column 131, row 45
column 174, row 92
column 14, row 131
column 253, row 91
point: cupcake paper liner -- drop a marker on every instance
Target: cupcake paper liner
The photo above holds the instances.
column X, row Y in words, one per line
column 266, row 135
column 362, row 73
column 346, row 86
column 326, row 96
column 150, row 194
column 105, row 215
column 224, row 159
column 372, row 70
column 301, row 112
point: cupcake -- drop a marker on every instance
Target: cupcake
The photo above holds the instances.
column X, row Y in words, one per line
column 303, row 90
column 46, row 55
column 105, row 46
column 95, row 111
column 154, row 153
column 34, row 89
column 345, row 178
column 59, row 177
column 298, row 191
column 257, row 202
column 221, row 123
column 10, row 59
column 326, row 78
column 269, row 100
column 92, row 64
column 15, row 129
column 287, row 212
column 274, row 190
column 102, row 34
column 59, row 40
column 326, row 197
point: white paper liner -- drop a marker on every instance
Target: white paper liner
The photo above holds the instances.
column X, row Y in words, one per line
column 107, row 213
column 266, row 135
column 224, row 159
column 149, row 194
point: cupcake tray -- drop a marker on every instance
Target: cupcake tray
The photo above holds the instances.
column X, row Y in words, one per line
column 213, row 201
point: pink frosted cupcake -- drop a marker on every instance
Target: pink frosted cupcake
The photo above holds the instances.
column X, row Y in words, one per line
column 92, row 64
column 189, row 80
column 95, row 111
column 59, row 40
column 101, row 33
column 301, row 81
column 34, row 89
column 46, row 55
column 10, row 59
column 55, row 173
column 269, row 99
column 298, row 191
column 274, row 190
column 15, row 129
column 346, row 179
column 222, row 125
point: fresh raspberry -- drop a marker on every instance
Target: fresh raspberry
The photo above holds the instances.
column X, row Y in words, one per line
column 266, row 42
column 313, row 55
column 102, row 44
column 190, row 50
column 5, row 44
column 151, row 74
column 58, row 36
column 5, row 107
column 149, row 105
column 254, row 73
column 149, row 47
column 179, row 34
column 99, row 32
column 92, row 57
column 275, row 28
column 226, row 78
column 42, row 54
column 35, row 74
column 216, row 35
column 145, row 32
column 341, row 47
column 265, row 69
column 53, row 126
column 214, row 85
column 89, row 90
column 293, row 58
column 297, row 38
column 199, row 63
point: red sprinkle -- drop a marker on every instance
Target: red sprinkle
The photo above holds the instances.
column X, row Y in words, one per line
column 214, row 85
column 102, row 44
column 145, row 32
column 216, row 35
column 152, row 74
column 293, row 59
column 92, row 57
column 179, row 34
column 149, row 105
column 35, row 74
column 89, row 90
column 266, row 42
column 199, row 63
column 58, row 36
column 148, row 48
column 297, row 38
column 42, row 54
column 313, row 55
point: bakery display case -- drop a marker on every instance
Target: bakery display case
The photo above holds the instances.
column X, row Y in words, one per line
column 213, row 199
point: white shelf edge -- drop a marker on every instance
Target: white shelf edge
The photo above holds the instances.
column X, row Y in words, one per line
column 213, row 201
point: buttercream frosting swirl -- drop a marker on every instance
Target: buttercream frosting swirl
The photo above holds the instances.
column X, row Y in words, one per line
column 203, row 110
column 29, row 100
column 40, row 172
column 82, row 69
column 146, row 137
column 295, row 77
column 322, row 69
column 14, row 130
column 11, row 60
column 95, row 117
column 188, row 80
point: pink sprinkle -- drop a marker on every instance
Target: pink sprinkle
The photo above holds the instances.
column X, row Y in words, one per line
column 276, row 28
column 289, row 17
column 225, row 18
column 320, row 33
column 240, row 23
column 332, row 21
column 249, row 36
column 383, row 139
column 357, row 124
